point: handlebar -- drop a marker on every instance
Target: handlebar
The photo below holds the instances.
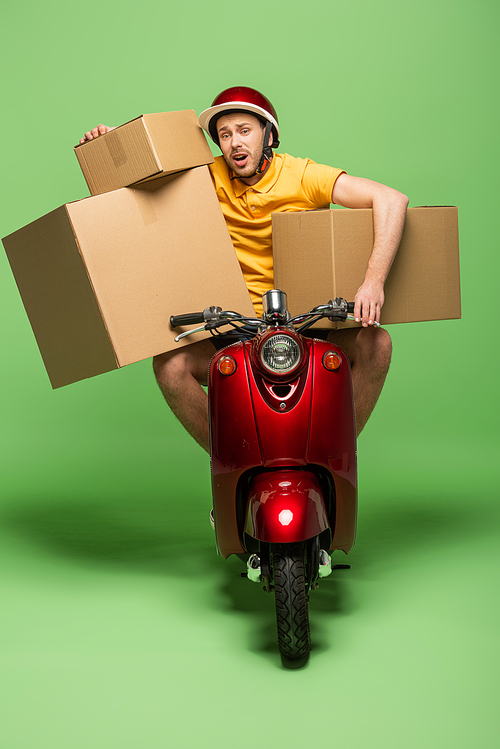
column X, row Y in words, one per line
column 190, row 318
column 213, row 317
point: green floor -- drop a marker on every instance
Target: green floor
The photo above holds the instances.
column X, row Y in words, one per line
column 121, row 627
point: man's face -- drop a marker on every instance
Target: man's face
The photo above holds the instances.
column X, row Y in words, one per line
column 240, row 138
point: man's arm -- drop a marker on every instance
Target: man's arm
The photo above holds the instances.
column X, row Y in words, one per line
column 389, row 212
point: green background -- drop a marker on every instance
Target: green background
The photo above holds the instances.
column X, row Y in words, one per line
column 120, row 627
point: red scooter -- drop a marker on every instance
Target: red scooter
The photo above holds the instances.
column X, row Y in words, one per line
column 283, row 453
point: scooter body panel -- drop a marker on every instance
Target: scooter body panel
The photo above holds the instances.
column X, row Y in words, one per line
column 310, row 430
column 332, row 440
column 282, row 421
column 234, row 444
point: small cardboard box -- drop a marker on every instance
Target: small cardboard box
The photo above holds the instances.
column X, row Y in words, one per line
column 148, row 147
column 323, row 254
column 100, row 277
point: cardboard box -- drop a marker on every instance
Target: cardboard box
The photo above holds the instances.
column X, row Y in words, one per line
column 100, row 277
column 151, row 146
column 319, row 255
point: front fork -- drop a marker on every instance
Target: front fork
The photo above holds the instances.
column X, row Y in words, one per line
column 318, row 564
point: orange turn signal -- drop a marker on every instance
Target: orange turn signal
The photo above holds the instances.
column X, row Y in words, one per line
column 332, row 360
column 227, row 365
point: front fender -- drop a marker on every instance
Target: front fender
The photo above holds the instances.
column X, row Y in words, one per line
column 285, row 506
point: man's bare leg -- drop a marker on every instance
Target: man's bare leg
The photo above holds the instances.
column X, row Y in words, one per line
column 180, row 375
column 369, row 351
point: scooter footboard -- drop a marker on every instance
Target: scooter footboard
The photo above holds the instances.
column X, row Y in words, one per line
column 285, row 506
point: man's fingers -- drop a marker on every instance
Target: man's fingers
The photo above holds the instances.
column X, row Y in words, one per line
column 366, row 313
column 364, row 310
column 369, row 314
column 368, row 304
column 372, row 310
column 357, row 310
column 373, row 313
column 95, row 133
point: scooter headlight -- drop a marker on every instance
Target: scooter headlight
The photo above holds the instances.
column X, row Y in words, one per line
column 280, row 353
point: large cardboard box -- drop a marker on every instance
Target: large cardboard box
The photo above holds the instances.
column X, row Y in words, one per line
column 323, row 254
column 145, row 148
column 100, row 277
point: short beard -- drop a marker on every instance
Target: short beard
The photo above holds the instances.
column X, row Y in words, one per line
column 250, row 168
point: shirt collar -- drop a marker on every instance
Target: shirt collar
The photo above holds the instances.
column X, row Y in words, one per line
column 266, row 183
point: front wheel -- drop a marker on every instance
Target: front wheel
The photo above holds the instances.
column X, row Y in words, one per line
column 290, row 590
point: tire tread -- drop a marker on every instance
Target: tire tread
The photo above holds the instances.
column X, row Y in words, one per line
column 292, row 615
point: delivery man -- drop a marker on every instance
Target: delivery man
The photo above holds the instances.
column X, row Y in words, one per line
column 252, row 182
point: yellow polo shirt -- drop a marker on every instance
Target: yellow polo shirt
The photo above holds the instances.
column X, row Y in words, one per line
column 290, row 184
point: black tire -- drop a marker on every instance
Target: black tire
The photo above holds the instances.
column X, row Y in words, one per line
column 290, row 590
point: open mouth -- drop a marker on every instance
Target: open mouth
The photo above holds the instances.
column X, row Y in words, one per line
column 240, row 159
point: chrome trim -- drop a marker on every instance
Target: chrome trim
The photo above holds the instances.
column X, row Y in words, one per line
column 274, row 303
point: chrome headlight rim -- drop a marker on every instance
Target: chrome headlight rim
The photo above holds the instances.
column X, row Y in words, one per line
column 296, row 346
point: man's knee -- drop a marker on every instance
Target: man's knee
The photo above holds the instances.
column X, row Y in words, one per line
column 171, row 368
column 375, row 349
column 175, row 369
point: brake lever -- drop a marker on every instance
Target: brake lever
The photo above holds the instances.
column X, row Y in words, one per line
column 189, row 332
column 373, row 325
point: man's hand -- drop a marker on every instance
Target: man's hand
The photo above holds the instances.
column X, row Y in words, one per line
column 95, row 133
column 368, row 302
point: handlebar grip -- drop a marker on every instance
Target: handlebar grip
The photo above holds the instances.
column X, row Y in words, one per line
column 190, row 318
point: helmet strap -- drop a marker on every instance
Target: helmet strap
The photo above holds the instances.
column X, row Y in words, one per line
column 267, row 152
